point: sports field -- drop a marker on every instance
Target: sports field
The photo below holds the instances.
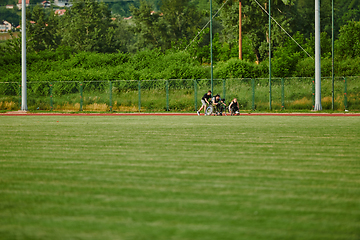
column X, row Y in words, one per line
column 179, row 177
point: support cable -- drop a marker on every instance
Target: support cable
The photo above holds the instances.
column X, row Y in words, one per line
column 206, row 25
column 284, row 29
column 266, row 13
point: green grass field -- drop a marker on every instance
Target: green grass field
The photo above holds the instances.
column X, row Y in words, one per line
column 179, row 177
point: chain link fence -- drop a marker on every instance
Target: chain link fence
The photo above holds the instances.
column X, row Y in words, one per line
column 180, row 95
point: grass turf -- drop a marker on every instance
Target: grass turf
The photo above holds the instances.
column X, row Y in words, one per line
column 177, row 177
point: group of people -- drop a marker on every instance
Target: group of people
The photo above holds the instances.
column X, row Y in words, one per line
column 218, row 103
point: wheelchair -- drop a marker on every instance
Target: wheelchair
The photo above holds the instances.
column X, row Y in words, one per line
column 217, row 110
column 235, row 111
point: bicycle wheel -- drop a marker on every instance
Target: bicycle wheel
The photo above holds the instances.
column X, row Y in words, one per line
column 209, row 110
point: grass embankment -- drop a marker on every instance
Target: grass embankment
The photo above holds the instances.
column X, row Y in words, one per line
column 179, row 178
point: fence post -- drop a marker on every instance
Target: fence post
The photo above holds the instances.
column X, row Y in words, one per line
column 81, row 96
column 19, row 96
column 195, row 91
column 253, row 94
column 313, row 93
column 224, row 90
column 139, row 87
column 345, row 94
column 167, row 95
column 51, row 97
column 110, row 96
column 270, row 97
column 282, row 94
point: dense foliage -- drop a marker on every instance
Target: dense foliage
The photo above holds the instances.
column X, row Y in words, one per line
column 91, row 41
column 61, row 65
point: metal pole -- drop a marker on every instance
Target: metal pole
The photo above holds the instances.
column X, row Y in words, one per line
column 139, row 88
column 81, row 96
column 51, row 97
column 345, row 94
column 195, row 91
column 253, row 93
column 110, row 96
column 211, row 48
column 282, row 94
column 23, row 55
column 19, row 95
column 240, row 32
column 167, row 95
column 332, row 54
column 224, row 89
column 270, row 54
column 313, row 93
column 318, row 106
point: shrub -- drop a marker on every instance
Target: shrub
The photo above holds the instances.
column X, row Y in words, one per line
column 235, row 68
column 348, row 44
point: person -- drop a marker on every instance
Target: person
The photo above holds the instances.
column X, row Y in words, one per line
column 234, row 107
column 218, row 103
column 204, row 101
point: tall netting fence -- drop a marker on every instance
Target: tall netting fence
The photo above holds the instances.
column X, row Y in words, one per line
column 10, row 98
column 181, row 94
column 352, row 93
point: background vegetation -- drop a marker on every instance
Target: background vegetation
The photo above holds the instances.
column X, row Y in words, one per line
column 162, row 29
column 94, row 42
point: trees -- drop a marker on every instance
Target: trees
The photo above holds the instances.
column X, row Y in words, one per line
column 344, row 11
column 42, row 29
column 123, row 36
column 181, row 17
column 149, row 27
column 87, row 26
column 178, row 19
column 255, row 22
column 349, row 40
column 348, row 10
column 10, row 15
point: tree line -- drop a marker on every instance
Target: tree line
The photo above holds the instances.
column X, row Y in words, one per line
column 170, row 27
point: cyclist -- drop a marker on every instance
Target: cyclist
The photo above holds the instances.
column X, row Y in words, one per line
column 204, row 101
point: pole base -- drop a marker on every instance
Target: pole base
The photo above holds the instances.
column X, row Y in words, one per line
column 318, row 107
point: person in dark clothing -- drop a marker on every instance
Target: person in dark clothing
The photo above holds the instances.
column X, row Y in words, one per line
column 218, row 104
column 234, row 107
column 204, row 102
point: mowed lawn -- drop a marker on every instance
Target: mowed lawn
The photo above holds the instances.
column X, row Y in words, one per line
column 179, row 177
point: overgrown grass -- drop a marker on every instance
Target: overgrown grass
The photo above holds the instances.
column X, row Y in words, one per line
column 179, row 178
column 298, row 95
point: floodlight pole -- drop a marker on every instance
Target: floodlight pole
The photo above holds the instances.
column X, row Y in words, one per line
column 211, row 49
column 318, row 106
column 23, row 56
column 332, row 54
column 270, row 54
column 240, row 32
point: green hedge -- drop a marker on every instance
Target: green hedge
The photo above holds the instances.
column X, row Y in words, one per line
column 64, row 65
column 86, row 66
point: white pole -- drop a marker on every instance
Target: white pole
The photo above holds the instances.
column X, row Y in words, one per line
column 317, row 58
column 23, row 56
